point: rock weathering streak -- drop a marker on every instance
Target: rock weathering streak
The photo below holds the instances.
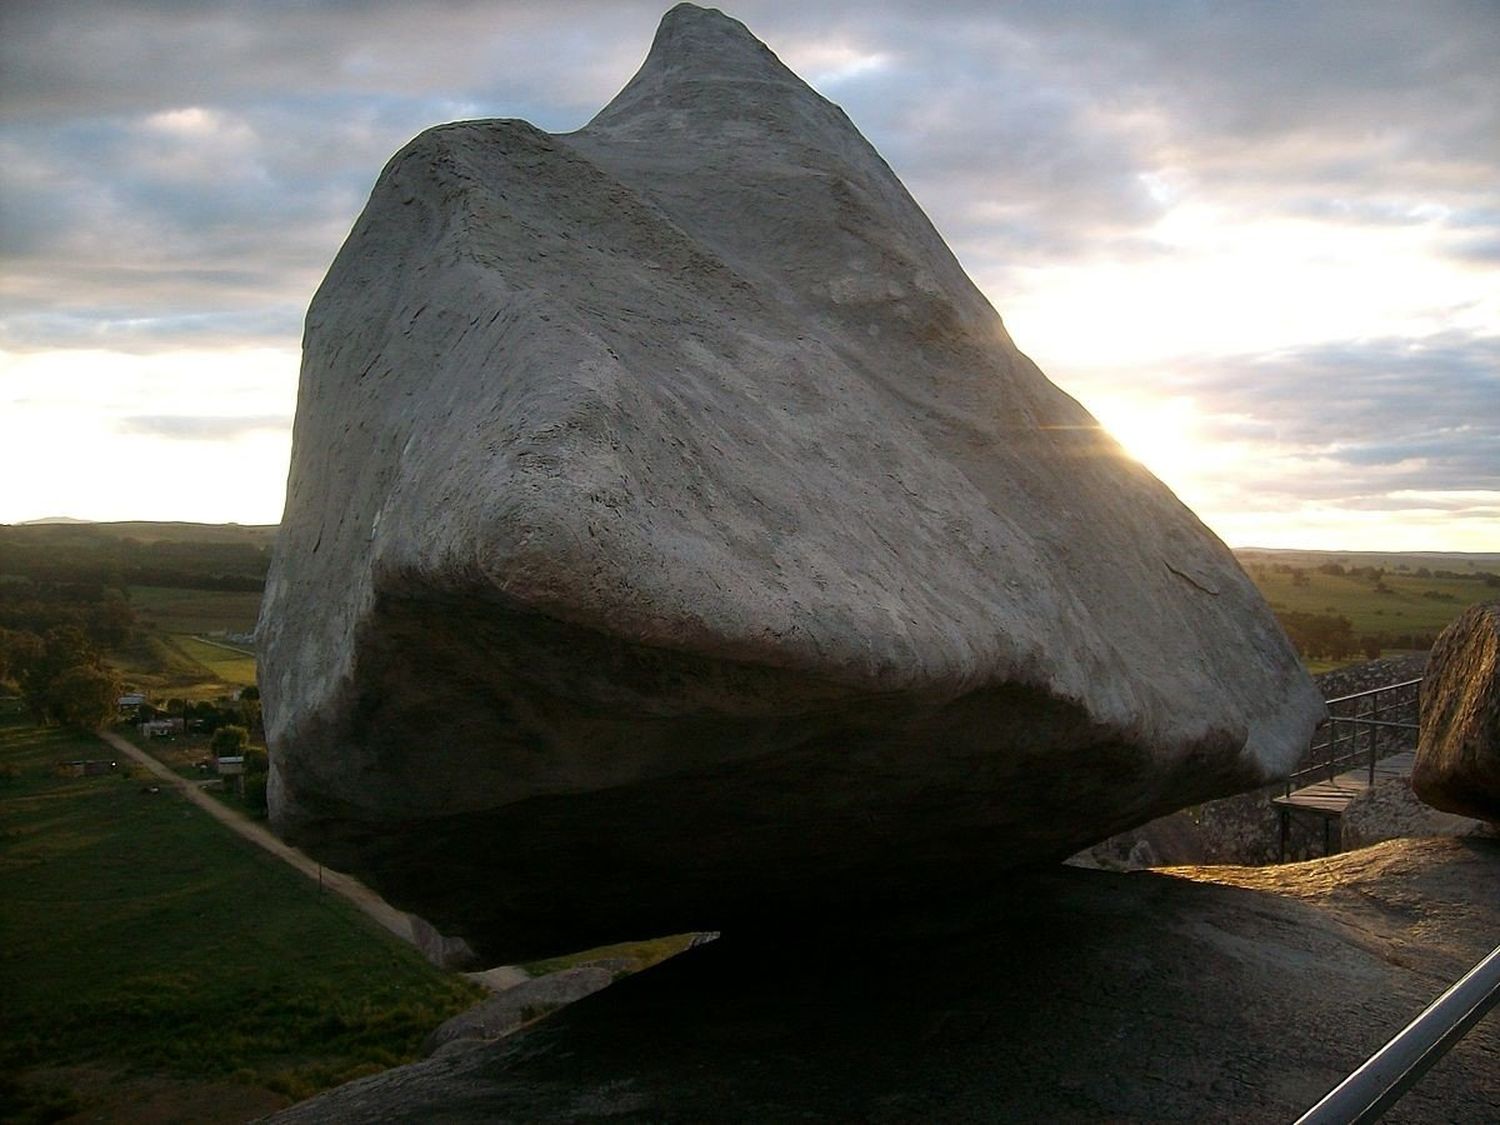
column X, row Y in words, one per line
column 675, row 538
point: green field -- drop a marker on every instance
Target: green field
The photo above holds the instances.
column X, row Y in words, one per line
column 169, row 657
column 176, row 665
column 140, row 939
column 171, row 610
column 229, row 666
column 1411, row 605
column 152, row 661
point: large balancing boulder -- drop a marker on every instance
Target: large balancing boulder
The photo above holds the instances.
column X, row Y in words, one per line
column 1458, row 757
column 676, row 540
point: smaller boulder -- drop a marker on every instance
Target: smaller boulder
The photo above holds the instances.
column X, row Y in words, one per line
column 1458, row 760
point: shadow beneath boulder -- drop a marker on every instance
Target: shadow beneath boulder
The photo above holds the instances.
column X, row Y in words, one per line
column 1200, row 993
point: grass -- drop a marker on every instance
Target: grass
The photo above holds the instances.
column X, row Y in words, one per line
column 167, row 659
column 644, row 954
column 183, row 752
column 1414, row 605
column 137, row 934
column 179, row 666
column 170, row 610
column 229, row 666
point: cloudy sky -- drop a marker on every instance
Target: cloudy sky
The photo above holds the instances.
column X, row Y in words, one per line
column 1260, row 240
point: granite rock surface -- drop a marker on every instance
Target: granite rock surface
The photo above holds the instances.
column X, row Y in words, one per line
column 1458, row 757
column 675, row 539
column 1192, row 994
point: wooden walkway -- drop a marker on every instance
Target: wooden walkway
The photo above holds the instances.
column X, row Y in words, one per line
column 1330, row 798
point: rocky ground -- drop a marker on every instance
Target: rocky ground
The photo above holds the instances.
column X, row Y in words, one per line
column 1371, row 674
column 1226, row 994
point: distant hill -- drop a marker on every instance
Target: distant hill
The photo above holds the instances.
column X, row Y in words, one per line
column 198, row 556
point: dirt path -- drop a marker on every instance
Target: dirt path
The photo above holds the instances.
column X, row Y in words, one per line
column 347, row 886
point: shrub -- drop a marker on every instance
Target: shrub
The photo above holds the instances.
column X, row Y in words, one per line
column 229, row 742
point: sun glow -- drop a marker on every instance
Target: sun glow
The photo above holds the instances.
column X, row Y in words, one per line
column 1175, row 440
column 1161, row 434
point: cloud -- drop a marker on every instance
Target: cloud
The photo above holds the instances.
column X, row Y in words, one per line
column 1320, row 176
column 1484, row 251
column 67, row 60
column 147, row 328
column 1370, row 423
column 183, row 137
column 198, row 427
column 166, row 164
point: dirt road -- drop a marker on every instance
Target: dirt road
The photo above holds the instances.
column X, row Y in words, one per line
column 347, row 886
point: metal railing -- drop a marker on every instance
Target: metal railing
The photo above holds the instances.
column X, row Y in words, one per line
column 1391, row 1071
column 1360, row 729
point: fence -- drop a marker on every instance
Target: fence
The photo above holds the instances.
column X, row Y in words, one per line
column 1361, row 729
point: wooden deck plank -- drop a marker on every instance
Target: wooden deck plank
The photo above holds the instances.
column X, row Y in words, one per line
column 1332, row 797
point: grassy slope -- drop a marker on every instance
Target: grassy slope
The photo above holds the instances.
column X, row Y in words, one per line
column 227, row 666
column 136, row 933
column 1405, row 609
column 166, row 659
column 170, row 610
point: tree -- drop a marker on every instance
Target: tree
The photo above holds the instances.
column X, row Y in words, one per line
column 229, row 742
column 253, row 783
column 83, row 696
column 62, row 675
column 1319, row 634
column 250, row 708
column 18, row 649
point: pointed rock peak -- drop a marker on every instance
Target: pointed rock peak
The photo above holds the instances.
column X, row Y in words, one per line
column 696, row 48
column 705, row 43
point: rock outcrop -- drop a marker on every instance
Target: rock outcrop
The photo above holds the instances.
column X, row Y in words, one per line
column 1458, row 758
column 675, row 540
column 1389, row 810
column 1211, row 994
